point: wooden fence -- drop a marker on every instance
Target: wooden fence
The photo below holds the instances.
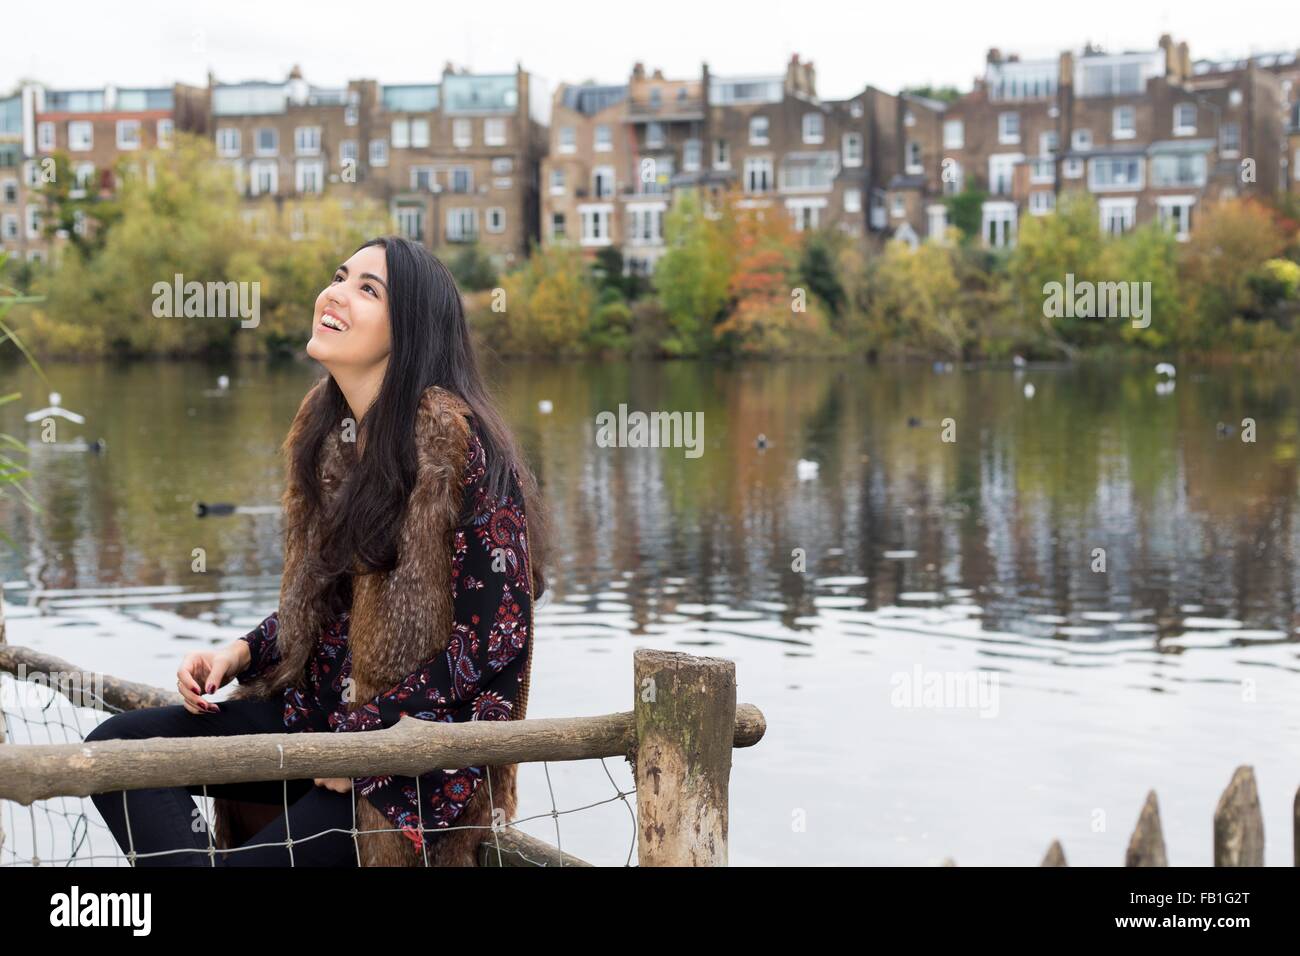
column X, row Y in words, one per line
column 678, row 736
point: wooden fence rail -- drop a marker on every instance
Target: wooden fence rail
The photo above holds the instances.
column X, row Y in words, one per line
column 679, row 739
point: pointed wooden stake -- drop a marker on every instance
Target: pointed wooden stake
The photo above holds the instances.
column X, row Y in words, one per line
column 1055, row 855
column 1147, row 845
column 1238, row 823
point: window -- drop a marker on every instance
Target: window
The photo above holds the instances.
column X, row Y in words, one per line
column 309, row 176
column 954, row 134
column 1041, row 203
column 595, row 224
column 45, row 137
column 937, row 216
column 1115, row 172
column 758, row 174
column 568, row 142
column 1178, row 170
column 128, row 134
column 410, row 222
column 1042, row 170
column 602, row 142
column 378, row 152
column 34, row 222
column 263, row 178
column 496, row 219
column 853, row 200
column 228, row 141
column 654, row 135
column 9, row 191
column 1047, row 143
column 851, row 148
column 1185, row 119
column 1117, row 215
column 306, row 141
column 419, row 134
column 350, row 115
column 1001, row 169
column 758, row 131
column 1111, row 79
column 806, row 214
column 1072, row 168
column 348, row 152
column 1175, row 214
column 400, row 134
column 814, row 128
column 9, row 226
column 422, row 179
column 602, row 182
column 645, row 224
column 462, row 179
column 691, row 155
column 999, row 224
column 855, row 109
column 494, row 132
column 1229, row 139
column 32, row 174
column 1008, row 128
column 897, row 206
column 164, row 130
column 721, row 154
column 502, row 165
column 914, row 166
column 81, row 136
column 462, row 133
column 268, row 141
column 1081, row 140
column 84, row 175
column 557, row 182
column 953, row 179
column 557, row 225
column 1123, row 122
column 462, row 225
column 908, row 118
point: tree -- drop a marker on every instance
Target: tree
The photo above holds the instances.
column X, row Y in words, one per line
column 692, row 276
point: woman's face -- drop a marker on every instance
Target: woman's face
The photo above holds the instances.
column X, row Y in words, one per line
column 350, row 330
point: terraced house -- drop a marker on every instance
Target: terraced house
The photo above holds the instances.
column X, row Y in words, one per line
column 1143, row 132
column 453, row 161
column 619, row 153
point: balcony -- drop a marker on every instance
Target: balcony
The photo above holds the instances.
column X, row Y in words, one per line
column 672, row 111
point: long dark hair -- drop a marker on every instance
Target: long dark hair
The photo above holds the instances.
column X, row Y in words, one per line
column 431, row 345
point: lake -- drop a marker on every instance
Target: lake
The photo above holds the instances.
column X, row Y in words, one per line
column 964, row 648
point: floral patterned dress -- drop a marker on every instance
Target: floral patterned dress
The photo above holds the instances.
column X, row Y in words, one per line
column 477, row 677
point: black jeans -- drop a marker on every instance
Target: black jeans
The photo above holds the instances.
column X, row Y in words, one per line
column 164, row 820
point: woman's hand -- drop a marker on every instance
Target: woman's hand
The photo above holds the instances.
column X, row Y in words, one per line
column 337, row 784
column 203, row 672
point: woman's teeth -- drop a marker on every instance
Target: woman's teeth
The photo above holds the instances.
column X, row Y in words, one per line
column 332, row 323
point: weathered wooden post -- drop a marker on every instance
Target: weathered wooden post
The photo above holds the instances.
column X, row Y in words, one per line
column 1239, row 823
column 1147, row 845
column 1055, row 855
column 685, row 714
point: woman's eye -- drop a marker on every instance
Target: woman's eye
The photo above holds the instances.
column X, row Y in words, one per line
column 338, row 276
column 371, row 289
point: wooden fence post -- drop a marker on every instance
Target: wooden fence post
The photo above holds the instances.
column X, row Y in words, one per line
column 1147, row 845
column 1238, row 823
column 1055, row 855
column 685, row 711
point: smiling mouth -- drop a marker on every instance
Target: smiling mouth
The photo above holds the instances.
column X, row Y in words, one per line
column 331, row 322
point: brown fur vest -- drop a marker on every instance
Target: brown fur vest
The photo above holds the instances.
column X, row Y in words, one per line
column 398, row 621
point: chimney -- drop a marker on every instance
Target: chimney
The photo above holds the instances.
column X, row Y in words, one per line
column 994, row 55
column 1066, row 77
column 1184, row 61
column 658, row 74
column 638, row 70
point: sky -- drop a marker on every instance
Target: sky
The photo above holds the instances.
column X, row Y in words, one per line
column 157, row 42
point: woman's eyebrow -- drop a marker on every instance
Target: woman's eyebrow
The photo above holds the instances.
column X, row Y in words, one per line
column 371, row 275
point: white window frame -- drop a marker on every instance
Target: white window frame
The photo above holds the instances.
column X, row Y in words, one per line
column 692, row 150
column 409, row 218
column 165, row 132
column 913, row 168
column 494, row 131
column 805, row 212
column 1048, row 143
column 255, row 169
column 852, row 199
column 599, row 175
column 558, row 187
column 1120, row 130
column 1166, row 203
column 460, row 215
column 125, row 141
column 602, row 138
column 259, row 149
column 377, row 152
column 568, row 141
column 1094, row 186
column 589, row 213
column 851, row 150
column 998, row 162
column 999, row 211
column 304, row 172
column 721, row 153
column 462, row 133
column 1126, row 206
column 419, row 133
column 1072, row 167
column 1005, row 136
column 954, row 134
column 757, row 163
column 1081, row 140
column 936, row 214
column 1224, row 150
column 1181, row 128
column 399, row 133
column 9, row 227
column 81, row 136
column 45, row 136
column 348, row 152
column 1041, row 202
column 306, row 141
column 759, row 130
column 229, row 141
column 34, row 221
column 654, row 135
column 499, row 214
column 814, row 128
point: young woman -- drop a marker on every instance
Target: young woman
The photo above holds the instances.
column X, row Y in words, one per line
column 412, row 556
